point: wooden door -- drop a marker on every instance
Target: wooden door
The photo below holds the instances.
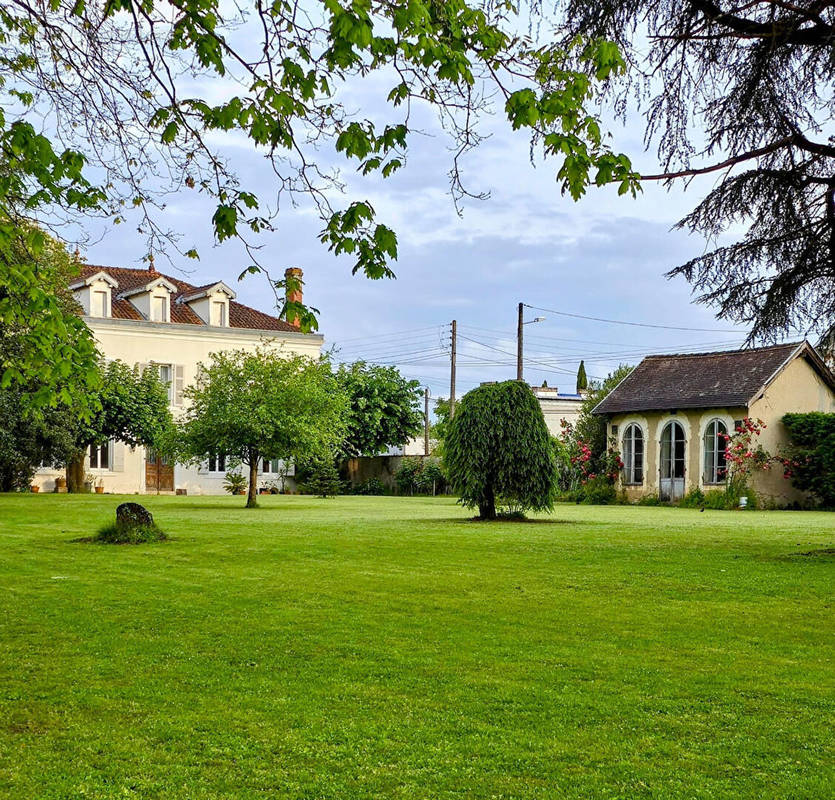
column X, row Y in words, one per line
column 159, row 473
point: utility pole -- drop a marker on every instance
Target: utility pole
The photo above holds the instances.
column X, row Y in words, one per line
column 426, row 421
column 452, row 368
column 519, row 342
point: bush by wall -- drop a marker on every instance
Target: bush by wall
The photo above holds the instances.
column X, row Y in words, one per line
column 810, row 462
column 420, row 476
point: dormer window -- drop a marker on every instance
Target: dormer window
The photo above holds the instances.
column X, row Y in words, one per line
column 219, row 316
column 159, row 309
column 210, row 303
column 100, row 305
column 153, row 299
column 93, row 293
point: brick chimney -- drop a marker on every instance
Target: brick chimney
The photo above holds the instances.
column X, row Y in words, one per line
column 294, row 294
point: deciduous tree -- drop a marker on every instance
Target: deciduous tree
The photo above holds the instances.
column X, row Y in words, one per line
column 130, row 406
column 263, row 404
column 120, row 83
column 383, row 408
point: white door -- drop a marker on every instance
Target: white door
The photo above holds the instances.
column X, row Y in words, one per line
column 671, row 485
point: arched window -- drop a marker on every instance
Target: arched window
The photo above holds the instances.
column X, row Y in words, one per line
column 633, row 454
column 716, row 465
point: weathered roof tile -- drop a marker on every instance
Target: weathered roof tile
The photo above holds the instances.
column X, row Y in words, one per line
column 701, row 380
column 240, row 316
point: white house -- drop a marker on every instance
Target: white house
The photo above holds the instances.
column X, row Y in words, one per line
column 557, row 406
column 143, row 317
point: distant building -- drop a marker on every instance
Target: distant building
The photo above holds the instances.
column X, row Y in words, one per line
column 558, row 406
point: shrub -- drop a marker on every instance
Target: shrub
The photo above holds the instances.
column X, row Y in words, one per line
column 324, row 480
column 420, row 476
column 234, row 483
column 810, row 462
column 116, row 533
column 372, row 486
column 598, row 491
column 407, row 475
column 432, row 478
column 726, row 499
column 650, row 500
column 695, row 498
column 498, row 447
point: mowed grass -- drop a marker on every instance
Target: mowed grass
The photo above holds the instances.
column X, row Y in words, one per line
column 390, row 648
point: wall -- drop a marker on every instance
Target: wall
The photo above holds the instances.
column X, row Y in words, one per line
column 556, row 409
column 141, row 342
column 652, row 424
column 383, row 467
column 798, row 388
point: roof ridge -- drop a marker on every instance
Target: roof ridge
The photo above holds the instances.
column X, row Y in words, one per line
column 725, row 352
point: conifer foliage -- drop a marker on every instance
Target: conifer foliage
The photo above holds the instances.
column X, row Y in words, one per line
column 498, row 452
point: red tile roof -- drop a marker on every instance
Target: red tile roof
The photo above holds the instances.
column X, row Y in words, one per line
column 240, row 316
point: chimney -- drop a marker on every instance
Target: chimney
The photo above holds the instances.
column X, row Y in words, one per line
column 293, row 293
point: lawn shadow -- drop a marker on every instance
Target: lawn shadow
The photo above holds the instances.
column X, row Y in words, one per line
column 823, row 554
column 491, row 522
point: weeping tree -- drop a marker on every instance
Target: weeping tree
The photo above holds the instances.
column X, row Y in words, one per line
column 741, row 91
column 498, row 451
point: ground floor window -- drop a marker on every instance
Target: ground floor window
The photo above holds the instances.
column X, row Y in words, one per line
column 217, row 463
column 100, row 455
column 715, row 446
column 633, row 454
column 270, row 466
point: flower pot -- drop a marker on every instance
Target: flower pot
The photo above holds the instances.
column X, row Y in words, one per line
column 88, row 487
column 34, row 489
column 99, row 489
column 60, row 483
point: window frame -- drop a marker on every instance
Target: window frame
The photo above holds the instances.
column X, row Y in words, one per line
column 156, row 300
column 219, row 313
column 713, row 424
column 169, row 383
column 95, row 310
column 107, row 448
column 629, row 470
column 216, row 463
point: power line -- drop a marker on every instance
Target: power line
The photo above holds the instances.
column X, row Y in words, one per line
column 633, row 324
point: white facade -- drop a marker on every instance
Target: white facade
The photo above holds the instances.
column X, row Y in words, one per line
column 557, row 407
column 175, row 349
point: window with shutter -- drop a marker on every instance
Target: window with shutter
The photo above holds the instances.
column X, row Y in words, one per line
column 179, row 384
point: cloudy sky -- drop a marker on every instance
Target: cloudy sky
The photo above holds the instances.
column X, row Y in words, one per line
column 604, row 256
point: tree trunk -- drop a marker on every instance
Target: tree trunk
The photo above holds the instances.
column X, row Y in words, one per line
column 487, row 506
column 251, row 498
column 75, row 472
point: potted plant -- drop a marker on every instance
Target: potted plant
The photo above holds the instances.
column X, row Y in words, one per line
column 234, row 483
column 60, row 483
column 99, row 486
column 34, row 488
column 88, row 483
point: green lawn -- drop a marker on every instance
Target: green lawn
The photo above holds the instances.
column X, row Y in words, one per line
column 388, row 648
